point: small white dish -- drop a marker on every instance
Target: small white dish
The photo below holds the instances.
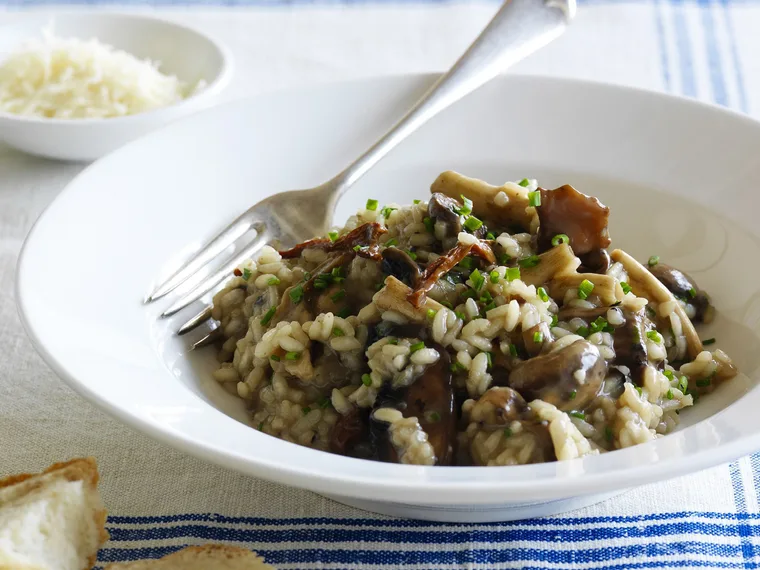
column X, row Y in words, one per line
column 184, row 52
column 679, row 177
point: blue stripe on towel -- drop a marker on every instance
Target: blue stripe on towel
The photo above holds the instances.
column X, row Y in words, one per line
column 714, row 64
column 662, row 45
column 281, row 3
column 735, row 59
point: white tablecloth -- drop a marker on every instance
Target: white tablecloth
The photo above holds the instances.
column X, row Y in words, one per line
column 160, row 499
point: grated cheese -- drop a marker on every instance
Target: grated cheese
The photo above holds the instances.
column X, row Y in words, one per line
column 74, row 79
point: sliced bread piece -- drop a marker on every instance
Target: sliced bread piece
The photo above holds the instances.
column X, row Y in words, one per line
column 53, row 520
column 209, row 557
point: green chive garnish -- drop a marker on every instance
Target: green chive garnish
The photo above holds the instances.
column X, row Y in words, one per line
column 524, row 183
column 582, row 331
column 654, row 336
column 560, row 238
column 416, row 201
column 332, row 235
column 305, row 410
column 477, row 280
column 324, row 403
column 261, row 426
column 472, row 223
column 534, row 198
column 490, row 235
column 337, row 331
column 579, row 415
column 608, row 433
column 554, row 322
column 668, row 374
column 489, row 360
column 494, row 276
column 273, row 281
column 466, row 207
column 708, row 341
column 338, row 295
column 530, row 261
column 702, row 382
column 654, row 260
column 344, row 313
column 460, row 316
column 538, row 337
column 268, row 316
column 391, row 242
column 366, row 379
column 429, row 224
column 692, row 292
column 507, row 432
column 296, row 293
column 513, row 273
column 433, row 416
column 585, row 288
column 513, row 349
column 683, row 384
column 573, row 394
column 246, row 274
column 669, row 395
column 467, row 263
column 274, row 357
column 626, row 288
column 387, row 211
column 542, row 294
column 598, row 325
column 292, row 355
column 416, row 346
column 372, row 205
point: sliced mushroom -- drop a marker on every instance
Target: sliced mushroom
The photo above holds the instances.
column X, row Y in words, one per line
column 630, row 345
column 607, row 288
column 536, row 337
column 683, row 286
column 498, row 407
column 516, row 211
column 597, row 261
column 349, row 432
column 581, row 218
column 569, row 312
column 559, row 260
column 569, row 378
column 441, row 208
column 363, row 236
column 400, row 264
column 394, row 297
column 644, row 284
column 431, row 399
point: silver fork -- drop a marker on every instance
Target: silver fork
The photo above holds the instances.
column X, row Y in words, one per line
column 519, row 28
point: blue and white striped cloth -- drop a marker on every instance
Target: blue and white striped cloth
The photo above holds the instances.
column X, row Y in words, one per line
column 161, row 500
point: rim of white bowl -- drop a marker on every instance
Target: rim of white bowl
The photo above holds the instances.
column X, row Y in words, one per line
column 424, row 490
column 212, row 89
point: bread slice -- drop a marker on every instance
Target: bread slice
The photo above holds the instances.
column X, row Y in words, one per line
column 53, row 520
column 209, row 557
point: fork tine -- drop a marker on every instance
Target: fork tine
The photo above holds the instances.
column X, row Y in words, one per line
column 210, row 338
column 224, row 239
column 217, row 277
column 195, row 322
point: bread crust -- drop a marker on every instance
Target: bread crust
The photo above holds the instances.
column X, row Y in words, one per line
column 83, row 469
column 208, row 552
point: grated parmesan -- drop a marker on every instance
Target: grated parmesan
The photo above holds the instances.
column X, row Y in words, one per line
column 74, row 79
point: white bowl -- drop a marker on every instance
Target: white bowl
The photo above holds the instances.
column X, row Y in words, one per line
column 186, row 53
column 679, row 176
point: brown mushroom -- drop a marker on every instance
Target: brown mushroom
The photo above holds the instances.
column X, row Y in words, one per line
column 684, row 287
column 569, row 378
column 400, row 264
column 536, row 337
column 630, row 344
column 441, row 208
column 498, row 407
column 394, row 297
column 349, row 432
column 583, row 219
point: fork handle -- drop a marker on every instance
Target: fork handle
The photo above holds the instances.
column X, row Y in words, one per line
column 519, row 28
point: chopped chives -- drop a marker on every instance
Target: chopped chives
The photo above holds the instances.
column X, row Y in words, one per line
column 530, row 261
column 337, row 331
column 598, row 325
column 472, row 223
column 372, row 204
column 654, row 260
column 338, row 295
column 608, row 433
column 513, row 273
column 411, row 254
column 668, row 374
column 534, row 198
column 366, row 379
column 626, row 288
column 702, row 382
column 683, row 384
column 708, row 341
column 447, row 305
column 573, row 394
column 431, row 313
column 638, row 389
column 502, row 258
column 292, row 355
column 579, row 415
column 273, row 281
column 507, row 432
column 542, row 294
column 296, row 293
column 332, row 235
column 305, row 410
column 654, row 336
column 466, row 206
column 477, row 280
column 524, row 183
column 486, row 296
column 560, row 238
column 490, row 235
column 246, row 274
column 391, row 242
column 582, row 331
column 585, row 288
column 337, row 272
column 469, row 294
column 467, row 263
column 344, row 313
column 261, row 426
column 387, row 211
column 457, row 367
column 433, row 416
column 554, row 322
column 321, row 284
column 494, row 276
column 489, row 360
column 669, row 395
column 324, row 402
column 268, row 316
column 538, row 337
column 416, row 346
column 513, row 349
column 357, row 247
column 692, row 292
column 416, row 201
column 460, row 316
column 274, row 357
column 429, row 224
column 393, row 341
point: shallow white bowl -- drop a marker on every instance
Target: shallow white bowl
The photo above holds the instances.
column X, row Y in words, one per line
column 680, row 178
column 184, row 52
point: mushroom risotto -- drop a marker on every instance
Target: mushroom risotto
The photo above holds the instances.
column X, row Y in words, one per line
column 486, row 326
